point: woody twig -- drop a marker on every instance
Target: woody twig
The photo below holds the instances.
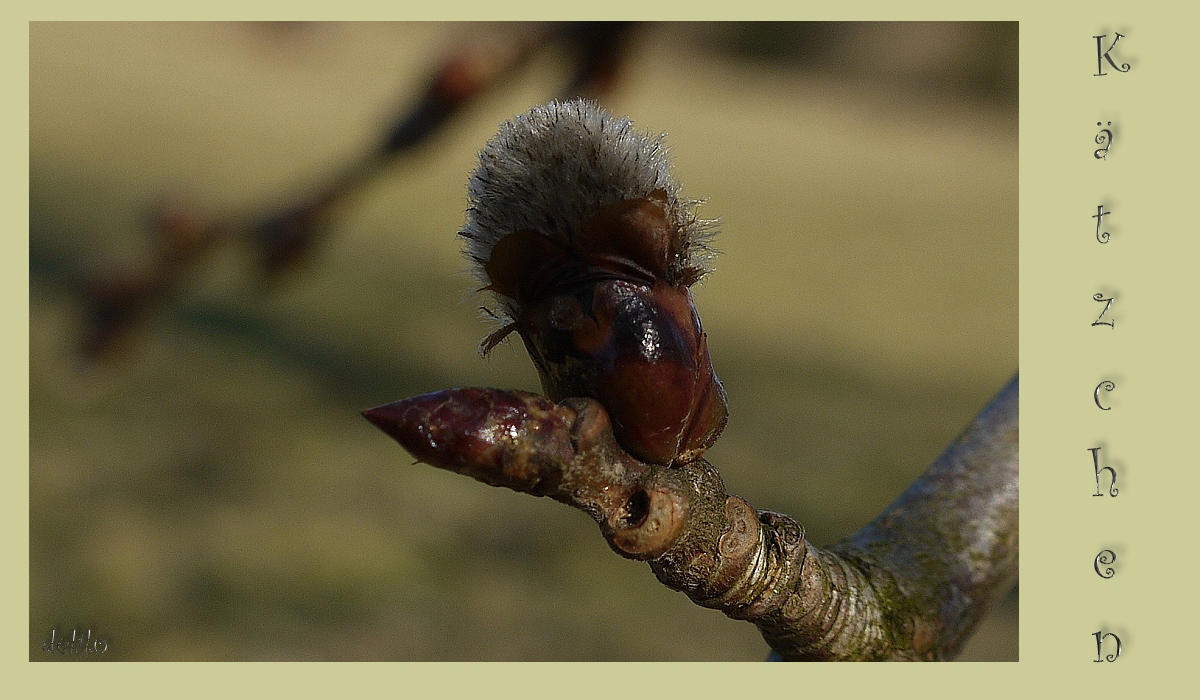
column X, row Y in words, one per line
column 911, row 586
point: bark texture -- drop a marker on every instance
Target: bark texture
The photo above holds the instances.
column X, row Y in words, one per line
column 910, row 586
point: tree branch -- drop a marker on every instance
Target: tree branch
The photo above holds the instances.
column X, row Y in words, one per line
column 910, row 586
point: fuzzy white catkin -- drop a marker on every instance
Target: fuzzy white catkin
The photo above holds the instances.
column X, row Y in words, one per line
column 551, row 168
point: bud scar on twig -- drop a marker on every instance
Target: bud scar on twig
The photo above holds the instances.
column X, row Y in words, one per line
column 567, row 452
column 530, row 444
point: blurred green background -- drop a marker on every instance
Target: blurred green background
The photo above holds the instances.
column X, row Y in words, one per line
column 215, row 495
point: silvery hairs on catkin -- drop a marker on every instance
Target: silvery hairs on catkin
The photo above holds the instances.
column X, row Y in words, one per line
column 551, row 168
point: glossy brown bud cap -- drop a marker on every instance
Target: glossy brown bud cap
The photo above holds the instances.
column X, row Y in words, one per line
column 610, row 316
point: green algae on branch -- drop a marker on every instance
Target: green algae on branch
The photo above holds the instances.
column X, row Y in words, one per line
column 951, row 540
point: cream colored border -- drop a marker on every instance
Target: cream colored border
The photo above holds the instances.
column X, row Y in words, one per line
column 1063, row 602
